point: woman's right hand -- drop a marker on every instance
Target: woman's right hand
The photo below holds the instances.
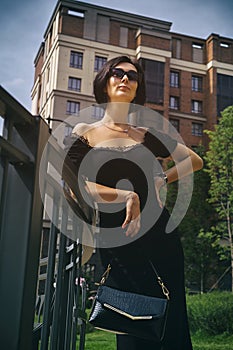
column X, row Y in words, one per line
column 133, row 217
column 105, row 194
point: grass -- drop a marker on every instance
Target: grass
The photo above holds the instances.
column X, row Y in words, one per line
column 99, row 340
column 217, row 342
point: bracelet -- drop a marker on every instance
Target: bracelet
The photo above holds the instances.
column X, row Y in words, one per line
column 163, row 176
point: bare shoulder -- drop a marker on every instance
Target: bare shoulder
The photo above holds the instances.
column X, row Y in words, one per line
column 142, row 129
column 80, row 129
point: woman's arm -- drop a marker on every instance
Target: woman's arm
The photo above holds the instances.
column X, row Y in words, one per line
column 108, row 195
column 186, row 162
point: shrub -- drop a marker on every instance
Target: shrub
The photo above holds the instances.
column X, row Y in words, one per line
column 211, row 313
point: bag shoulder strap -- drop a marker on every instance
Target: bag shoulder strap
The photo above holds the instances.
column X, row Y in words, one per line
column 159, row 279
column 104, row 276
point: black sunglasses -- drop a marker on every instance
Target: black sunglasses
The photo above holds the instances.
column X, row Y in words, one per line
column 120, row 73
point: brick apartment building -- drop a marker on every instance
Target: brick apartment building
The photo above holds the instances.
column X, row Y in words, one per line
column 189, row 80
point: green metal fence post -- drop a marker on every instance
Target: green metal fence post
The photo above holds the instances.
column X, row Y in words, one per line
column 20, row 222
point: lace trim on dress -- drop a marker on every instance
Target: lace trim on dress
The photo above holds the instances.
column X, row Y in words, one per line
column 84, row 140
column 118, row 148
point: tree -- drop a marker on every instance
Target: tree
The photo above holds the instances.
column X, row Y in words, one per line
column 219, row 159
column 201, row 253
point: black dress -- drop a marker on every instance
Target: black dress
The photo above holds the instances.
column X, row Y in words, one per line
column 132, row 167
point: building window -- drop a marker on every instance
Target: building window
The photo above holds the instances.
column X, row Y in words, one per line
column 176, row 48
column 174, row 102
column 48, row 73
column 224, row 92
column 72, row 107
column 123, row 37
column 175, row 123
column 76, row 59
column 74, row 84
column 197, row 83
column 174, row 79
column 76, row 13
column 99, row 62
column 226, row 45
column 97, row 112
column 197, row 129
column 103, row 29
column 197, row 51
column 154, row 77
column 196, row 106
column 68, row 130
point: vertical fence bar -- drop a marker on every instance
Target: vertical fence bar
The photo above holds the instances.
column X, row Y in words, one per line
column 56, row 331
column 75, row 282
column 49, row 288
column 64, row 301
column 70, row 301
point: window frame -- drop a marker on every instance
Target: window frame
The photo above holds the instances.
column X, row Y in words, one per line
column 197, row 129
column 176, row 48
column 76, row 59
column 175, row 82
column 70, row 110
column 197, row 83
column 78, row 85
column 76, row 13
column 99, row 62
column 124, row 35
column 97, row 112
column 175, row 123
column 154, row 77
column 197, row 52
column 199, row 109
column 176, row 105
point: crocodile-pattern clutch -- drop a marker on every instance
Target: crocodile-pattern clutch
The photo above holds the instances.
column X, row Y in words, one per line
column 129, row 313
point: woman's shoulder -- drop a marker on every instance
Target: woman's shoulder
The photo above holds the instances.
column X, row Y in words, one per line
column 81, row 129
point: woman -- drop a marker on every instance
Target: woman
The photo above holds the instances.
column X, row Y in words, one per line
column 132, row 217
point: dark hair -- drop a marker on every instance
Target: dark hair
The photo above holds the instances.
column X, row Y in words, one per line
column 103, row 75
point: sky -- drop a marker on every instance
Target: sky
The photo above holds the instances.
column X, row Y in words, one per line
column 23, row 24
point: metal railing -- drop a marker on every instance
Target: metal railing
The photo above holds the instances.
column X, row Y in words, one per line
column 31, row 319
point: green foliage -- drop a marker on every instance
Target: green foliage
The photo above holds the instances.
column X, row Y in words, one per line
column 211, row 313
column 99, row 340
column 200, row 249
column 220, row 162
column 219, row 342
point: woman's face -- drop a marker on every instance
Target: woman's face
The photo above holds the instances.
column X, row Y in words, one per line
column 122, row 84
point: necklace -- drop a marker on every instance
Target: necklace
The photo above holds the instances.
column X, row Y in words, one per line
column 125, row 131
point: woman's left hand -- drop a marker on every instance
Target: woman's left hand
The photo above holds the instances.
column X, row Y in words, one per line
column 159, row 183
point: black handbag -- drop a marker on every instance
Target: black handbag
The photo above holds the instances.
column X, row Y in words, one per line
column 129, row 313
